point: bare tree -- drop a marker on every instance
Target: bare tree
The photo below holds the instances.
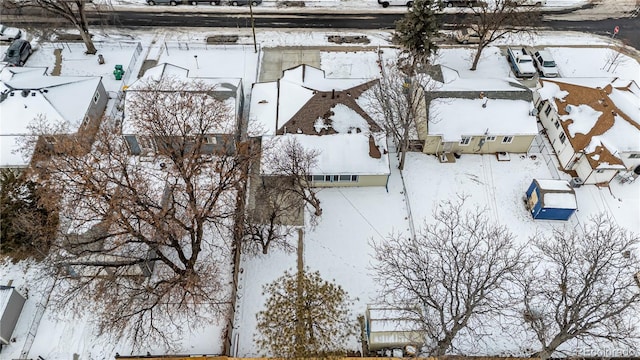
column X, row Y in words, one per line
column 398, row 103
column 584, row 287
column 305, row 316
column 270, row 223
column 457, row 270
column 286, row 160
column 73, row 11
column 494, row 20
column 146, row 240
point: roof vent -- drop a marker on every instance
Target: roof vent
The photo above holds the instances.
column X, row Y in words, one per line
column 24, row 93
column 568, row 109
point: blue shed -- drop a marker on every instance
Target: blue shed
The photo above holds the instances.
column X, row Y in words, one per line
column 551, row 199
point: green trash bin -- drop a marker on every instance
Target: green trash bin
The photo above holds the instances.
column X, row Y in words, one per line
column 118, row 72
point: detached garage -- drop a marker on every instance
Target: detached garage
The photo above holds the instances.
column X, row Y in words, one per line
column 551, row 200
column 11, row 303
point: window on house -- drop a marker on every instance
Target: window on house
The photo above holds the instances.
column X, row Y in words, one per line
column 318, row 177
column 96, row 97
column 599, row 171
column 465, row 140
column 562, row 137
column 345, row 177
column 309, row 178
column 556, row 123
column 547, row 111
column 210, row 140
column 50, row 139
column 490, row 138
column 354, row 178
column 541, row 105
column 507, row 139
column 634, row 156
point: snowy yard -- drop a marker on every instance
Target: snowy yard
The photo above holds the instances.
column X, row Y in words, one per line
column 339, row 245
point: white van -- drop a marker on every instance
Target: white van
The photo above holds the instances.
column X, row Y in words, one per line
column 387, row 3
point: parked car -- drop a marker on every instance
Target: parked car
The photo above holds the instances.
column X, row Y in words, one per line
column 460, row 3
column 467, row 36
column 208, row 2
column 521, row 63
column 529, row 2
column 164, row 2
column 17, row 53
column 386, row 3
column 545, row 64
column 244, row 2
column 8, row 33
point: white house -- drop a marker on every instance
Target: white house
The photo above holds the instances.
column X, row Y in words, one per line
column 60, row 105
column 485, row 116
column 227, row 90
column 593, row 125
column 322, row 114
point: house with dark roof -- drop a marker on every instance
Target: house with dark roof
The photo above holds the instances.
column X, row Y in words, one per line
column 35, row 104
column 324, row 115
column 593, row 125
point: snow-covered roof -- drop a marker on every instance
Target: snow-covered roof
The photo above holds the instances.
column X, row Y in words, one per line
column 600, row 116
column 453, row 117
column 560, row 201
column 557, row 194
column 302, row 95
column 226, row 89
column 339, row 154
column 554, row 185
column 28, row 93
column 455, row 83
column 5, row 295
column 322, row 114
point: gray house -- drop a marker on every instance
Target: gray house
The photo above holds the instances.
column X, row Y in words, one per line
column 222, row 139
column 63, row 106
column 11, row 303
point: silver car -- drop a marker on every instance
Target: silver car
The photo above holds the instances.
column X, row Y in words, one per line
column 244, row 2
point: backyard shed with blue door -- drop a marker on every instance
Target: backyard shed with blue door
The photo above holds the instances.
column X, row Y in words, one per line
column 551, row 199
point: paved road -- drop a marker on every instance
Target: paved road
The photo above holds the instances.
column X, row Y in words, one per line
column 326, row 18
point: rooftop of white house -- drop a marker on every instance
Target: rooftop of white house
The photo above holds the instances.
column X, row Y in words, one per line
column 454, row 118
column 226, row 90
column 601, row 116
column 28, row 95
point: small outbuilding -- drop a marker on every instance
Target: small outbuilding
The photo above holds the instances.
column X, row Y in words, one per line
column 392, row 328
column 11, row 303
column 551, row 199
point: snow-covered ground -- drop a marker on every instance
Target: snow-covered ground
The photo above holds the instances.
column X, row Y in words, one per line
column 339, row 245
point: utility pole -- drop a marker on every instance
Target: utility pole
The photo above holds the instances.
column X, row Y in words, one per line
column 253, row 27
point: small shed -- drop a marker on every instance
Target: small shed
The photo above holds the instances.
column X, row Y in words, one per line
column 392, row 328
column 551, row 199
column 11, row 303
